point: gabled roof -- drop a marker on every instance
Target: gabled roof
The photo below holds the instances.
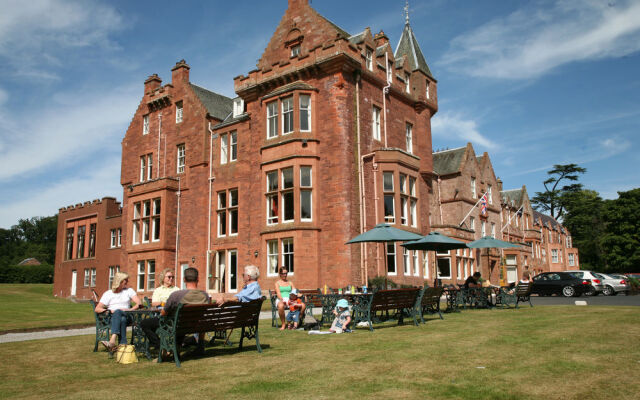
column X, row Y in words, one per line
column 512, row 197
column 408, row 45
column 381, row 49
column 217, row 105
column 448, row 161
column 357, row 39
column 546, row 220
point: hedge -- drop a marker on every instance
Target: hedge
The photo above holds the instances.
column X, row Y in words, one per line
column 27, row 274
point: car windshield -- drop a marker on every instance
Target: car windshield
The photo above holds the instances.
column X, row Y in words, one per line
column 601, row 276
column 576, row 274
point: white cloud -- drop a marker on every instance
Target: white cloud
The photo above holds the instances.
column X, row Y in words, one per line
column 536, row 39
column 35, row 34
column 77, row 126
column 450, row 125
column 45, row 200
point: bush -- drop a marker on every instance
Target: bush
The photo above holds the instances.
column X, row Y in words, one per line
column 378, row 283
column 27, row 274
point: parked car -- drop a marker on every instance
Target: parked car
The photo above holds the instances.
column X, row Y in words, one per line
column 566, row 284
column 596, row 284
column 614, row 284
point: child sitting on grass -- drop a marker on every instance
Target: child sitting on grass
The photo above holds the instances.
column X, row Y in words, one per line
column 295, row 305
column 343, row 317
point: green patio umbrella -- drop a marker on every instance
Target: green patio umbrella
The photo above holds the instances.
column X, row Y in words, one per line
column 435, row 241
column 384, row 233
column 489, row 242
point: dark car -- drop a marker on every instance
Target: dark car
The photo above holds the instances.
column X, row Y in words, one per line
column 566, row 284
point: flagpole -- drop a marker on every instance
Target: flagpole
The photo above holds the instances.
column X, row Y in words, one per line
column 472, row 208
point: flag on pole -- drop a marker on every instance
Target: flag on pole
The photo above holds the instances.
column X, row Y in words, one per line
column 483, row 204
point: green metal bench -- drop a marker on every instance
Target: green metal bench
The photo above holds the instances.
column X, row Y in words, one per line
column 519, row 294
column 402, row 301
column 202, row 318
column 429, row 302
column 103, row 325
column 310, row 297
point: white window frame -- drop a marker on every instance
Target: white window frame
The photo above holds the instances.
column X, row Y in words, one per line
column 143, row 167
column 407, row 81
column 272, row 195
column 272, row 119
column 113, row 239
column 145, row 124
column 233, row 146
column 306, row 188
column 156, row 207
column 287, row 114
column 224, row 148
column 233, row 210
column 86, row 277
column 369, row 59
column 286, row 253
column 427, row 90
column 222, row 214
column 389, row 72
column 472, row 223
column 119, row 238
column 272, row 257
column 376, row 122
column 238, row 107
column 151, row 274
column 425, row 264
column 141, row 276
column 554, row 256
column 483, row 228
column 180, row 158
column 295, row 50
column 230, row 277
column 286, row 191
column 392, row 255
column 409, row 138
column 416, row 262
column 474, row 193
column 179, row 111
column 306, row 109
column 406, row 261
column 572, row 260
column 149, row 167
column 413, row 213
column 440, row 276
column 489, row 194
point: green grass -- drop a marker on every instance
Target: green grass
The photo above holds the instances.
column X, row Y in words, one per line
column 32, row 306
column 557, row 352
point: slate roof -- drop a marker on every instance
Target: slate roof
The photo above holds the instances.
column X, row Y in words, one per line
column 408, row 45
column 356, row 39
column 341, row 31
column 514, row 195
column 297, row 85
column 448, row 161
column 217, row 105
column 546, row 220
column 380, row 50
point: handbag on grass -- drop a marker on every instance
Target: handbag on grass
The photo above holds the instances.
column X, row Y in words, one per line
column 126, row 354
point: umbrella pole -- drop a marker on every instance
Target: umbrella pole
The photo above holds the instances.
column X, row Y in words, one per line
column 386, row 267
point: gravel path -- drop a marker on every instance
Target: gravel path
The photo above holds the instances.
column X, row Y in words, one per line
column 22, row 336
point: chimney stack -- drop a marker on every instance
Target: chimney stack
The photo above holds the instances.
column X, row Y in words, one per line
column 381, row 38
column 152, row 83
column 180, row 73
column 297, row 3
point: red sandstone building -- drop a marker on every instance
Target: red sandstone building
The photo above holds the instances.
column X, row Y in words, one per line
column 329, row 135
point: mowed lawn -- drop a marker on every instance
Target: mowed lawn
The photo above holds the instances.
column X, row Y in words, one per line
column 32, row 306
column 554, row 352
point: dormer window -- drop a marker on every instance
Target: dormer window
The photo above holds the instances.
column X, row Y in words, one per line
column 369, row 60
column 295, row 50
column 238, row 107
column 407, row 81
column 389, row 72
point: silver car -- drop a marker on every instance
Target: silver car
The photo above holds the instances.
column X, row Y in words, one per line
column 596, row 283
column 614, row 283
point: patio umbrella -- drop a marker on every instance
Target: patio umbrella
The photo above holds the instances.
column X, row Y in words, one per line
column 489, row 242
column 435, row 241
column 384, row 233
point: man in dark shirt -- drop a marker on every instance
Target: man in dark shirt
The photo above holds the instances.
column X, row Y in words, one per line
column 472, row 281
column 190, row 295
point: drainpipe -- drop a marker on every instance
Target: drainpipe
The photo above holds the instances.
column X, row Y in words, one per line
column 211, row 179
column 440, row 200
column 159, row 133
column 375, row 204
column 178, row 225
column 385, row 90
column 363, row 253
column 363, row 209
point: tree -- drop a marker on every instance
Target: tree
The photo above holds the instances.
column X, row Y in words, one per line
column 33, row 237
column 622, row 237
column 584, row 218
column 552, row 200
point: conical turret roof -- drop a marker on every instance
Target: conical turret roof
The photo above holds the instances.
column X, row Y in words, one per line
column 408, row 45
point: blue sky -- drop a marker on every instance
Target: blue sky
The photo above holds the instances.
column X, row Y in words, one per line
column 533, row 83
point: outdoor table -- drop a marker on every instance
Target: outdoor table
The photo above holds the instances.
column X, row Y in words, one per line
column 138, row 338
column 453, row 297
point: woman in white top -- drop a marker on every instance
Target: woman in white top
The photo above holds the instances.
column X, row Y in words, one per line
column 117, row 300
column 162, row 292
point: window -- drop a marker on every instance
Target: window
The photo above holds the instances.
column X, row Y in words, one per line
column 389, row 72
column 93, row 277
column 425, row 263
column 305, row 113
column 233, row 212
column 406, row 260
column 181, row 158
column 472, row 223
column 272, row 119
column 295, row 50
column 80, row 241
column 272, row 257
column 69, row 244
column 233, row 270
column 483, row 227
column 305, row 194
column 178, row 112
column 409, row 138
column 489, row 194
column 554, row 255
column 389, row 197
column 119, row 237
column 416, row 265
column 376, row 123
column 136, row 223
column 369, row 59
column 444, row 268
column 287, row 195
column 114, row 238
column 407, row 83
column 238, row 107
column 86, row 277
column 571, row 259
column 391, row 259
column 112, row 273
column 155, row 229
column 473, row 188
column 272, row 197
column 224, row 148
column 146, row 167
column 287, row 115
column 458, row 268
column 222, row 214
column 141, row 275
column 493, row 230
column 568, row 242
column 233, row 137
column 151, row 274
column 146, row 222
column 427, row 90
column 287, row 254
column 92, row 240
column 145, row 125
